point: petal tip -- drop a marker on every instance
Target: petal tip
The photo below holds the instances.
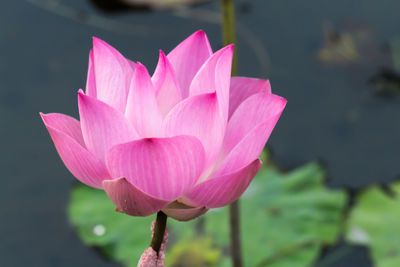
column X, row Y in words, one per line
column 140, row 66
column 81, row 96
column 200, row 32
column 44, row 117
column 162, row 54
column 97, row 41
column 229, row 49
column 282, row 100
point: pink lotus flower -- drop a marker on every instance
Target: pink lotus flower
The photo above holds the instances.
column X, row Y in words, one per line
column 182, row 141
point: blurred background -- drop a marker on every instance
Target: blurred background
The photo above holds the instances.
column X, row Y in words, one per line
column 336, row 62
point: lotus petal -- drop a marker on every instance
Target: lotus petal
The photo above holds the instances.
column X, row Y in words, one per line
column 242, row 87
column 198, row 116
column 188, row 57
column 164, row 168
column 182, row 212
column 223, row 190
column 113, row 74
column 166, row 85
column 214, row 76
column 66, row 135
column 142, row 109
column 91, row 78
column 254, row 110
column 130, row 200
column 102, row 126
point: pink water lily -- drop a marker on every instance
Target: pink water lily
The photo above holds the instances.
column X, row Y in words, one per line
column 183, row 140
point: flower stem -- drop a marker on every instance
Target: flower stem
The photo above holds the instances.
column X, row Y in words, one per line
column 229, row 27
column 234, row 221
column 159, row 230
column 229, row 37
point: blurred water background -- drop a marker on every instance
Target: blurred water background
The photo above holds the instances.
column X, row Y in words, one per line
column 335, row 61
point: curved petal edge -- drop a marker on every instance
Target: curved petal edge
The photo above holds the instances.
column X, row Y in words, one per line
column 182, row 212
column 243, row 87
column 223, row 190
column 102, row 125
column 130, row 200
column 79, row 161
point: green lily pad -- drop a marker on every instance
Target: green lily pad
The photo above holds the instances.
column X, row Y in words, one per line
column 286, row 219
column 119, row 236
column 374, row 222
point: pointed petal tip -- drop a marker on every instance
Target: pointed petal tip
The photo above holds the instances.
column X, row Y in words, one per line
column 282, row 100
column 162, row 58
column 162, row 54
column 140, row 72
column 227, row 48
column 200, row 32
column 43, row 117
column 81, row 96
column 97, row 41
column 140, row 67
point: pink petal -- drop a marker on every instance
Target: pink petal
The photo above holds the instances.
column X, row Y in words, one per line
column 182, row 212
column 164, row 168
column 242, row 87
column 130, row 200
column 223, row 190
column 102, row 126
column 132, row 64
column 214, row 76
column 65, row 124
column 254, row 110
column 142, row 109
column 113, row 74
column 188, row 57
column 91, row 78
column 65, row 132
column 198, row 116
column 166, row 85
column 248, row 131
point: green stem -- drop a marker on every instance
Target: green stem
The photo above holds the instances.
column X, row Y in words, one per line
column 234, row 221
column 159, row 230
column 229, row 27
column 229, row 37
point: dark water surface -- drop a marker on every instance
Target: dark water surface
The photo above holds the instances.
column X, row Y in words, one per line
column 331, row 115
